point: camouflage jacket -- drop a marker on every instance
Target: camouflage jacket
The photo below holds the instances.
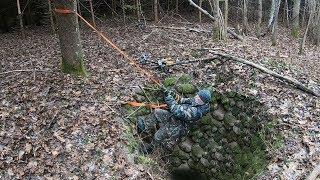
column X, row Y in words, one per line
column 186, row 110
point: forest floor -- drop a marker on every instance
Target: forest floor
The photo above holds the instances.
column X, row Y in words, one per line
column 54, row 125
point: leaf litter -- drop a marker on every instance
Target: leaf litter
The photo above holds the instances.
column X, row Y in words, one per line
column 56, row 126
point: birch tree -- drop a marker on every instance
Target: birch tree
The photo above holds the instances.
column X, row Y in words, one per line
column 69, row 37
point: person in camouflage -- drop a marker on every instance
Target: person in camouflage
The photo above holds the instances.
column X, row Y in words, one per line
column 175, row 122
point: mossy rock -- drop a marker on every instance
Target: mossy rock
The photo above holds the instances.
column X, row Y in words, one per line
column 186, row 88
column 177, row 152
column 170, row 81
column 185, row 78
column 197, row 151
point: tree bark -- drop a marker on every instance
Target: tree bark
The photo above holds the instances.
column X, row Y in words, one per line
column 303, row 40
column 200, row 14
column 51, row 16
column 275, row 22
column 245, row 16
column 69, row 37
column 92, row 13
column 286, row 6
column 258, row 32
column 156, row 13
column 295, row 18
column 226, row 12
column 20, row 18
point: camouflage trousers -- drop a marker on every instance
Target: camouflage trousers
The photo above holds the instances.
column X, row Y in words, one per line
column 170, row 129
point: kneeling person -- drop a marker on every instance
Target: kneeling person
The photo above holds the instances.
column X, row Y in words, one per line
column 175, row 122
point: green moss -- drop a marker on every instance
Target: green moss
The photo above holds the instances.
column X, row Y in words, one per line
column 78, row 70
column 185, row 78
column 170, row 81
column 186, row 89
column 145, row 160
column 132, row 142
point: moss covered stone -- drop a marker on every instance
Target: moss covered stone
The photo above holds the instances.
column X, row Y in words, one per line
column 186, row 88
column 170, row 81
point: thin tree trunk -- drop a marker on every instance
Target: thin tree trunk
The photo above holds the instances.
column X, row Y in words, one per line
column 200, row 14
column 123, row 11
column 78, row 6
column 156, row 14
column 138, row 10
column 303, row 40
column 259, row 18
column 51, row 16
column 92, row 13
column 245, row 16
column 295, row 18
column 113, row 8
column 275, row 23
column 69, row 37
column 226, row 12
column 177, row 6
column 20, row 18
column 287, row 12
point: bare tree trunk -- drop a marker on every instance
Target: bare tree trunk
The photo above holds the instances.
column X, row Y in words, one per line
column 156, row 13
column 295, row 18
column 226, row 12
column 78, row 6
column 286, row 6
column 20, row 18
column 245, row 16
column 303, row 40
column 92, row 13
column 138, row 8
column 51, row 17
column 275, row 23
column 69, row 36
column 113, row 8
column 123, row 11
column 258, row 32
column 177, row 6
column 200, row 14
column 219, row 29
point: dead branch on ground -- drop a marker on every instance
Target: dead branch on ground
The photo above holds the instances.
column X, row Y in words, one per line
column 289, row 80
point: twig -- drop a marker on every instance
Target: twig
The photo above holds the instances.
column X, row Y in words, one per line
column 214, row 19
column 25, row 70
column 144, row 92
column 290, row 80
column 315, row 173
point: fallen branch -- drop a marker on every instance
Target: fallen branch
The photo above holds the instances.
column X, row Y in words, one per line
column 26, row 70
column 182, row 28
column 290, row 80
column 212, row 18
column 315, row 173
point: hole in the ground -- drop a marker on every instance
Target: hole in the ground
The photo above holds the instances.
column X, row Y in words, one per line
column 230, row 142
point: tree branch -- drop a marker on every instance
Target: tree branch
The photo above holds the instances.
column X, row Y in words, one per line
column 212, row 18
column 289, row 80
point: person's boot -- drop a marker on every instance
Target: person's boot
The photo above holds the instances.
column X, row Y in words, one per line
column 146, row 148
